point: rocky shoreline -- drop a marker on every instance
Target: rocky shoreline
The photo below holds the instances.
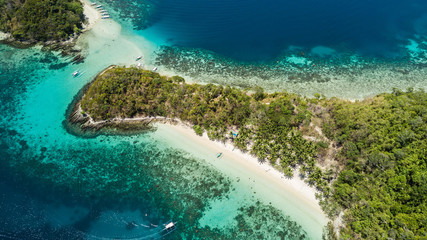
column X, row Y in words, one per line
column 79, row 123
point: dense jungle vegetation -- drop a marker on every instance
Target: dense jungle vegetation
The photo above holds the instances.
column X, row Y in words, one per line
column 267, row 123
column 378, row 177
column 41, row 20
column 384, row 152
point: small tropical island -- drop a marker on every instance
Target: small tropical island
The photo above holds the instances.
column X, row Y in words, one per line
column 367, row 159
column 51, row 23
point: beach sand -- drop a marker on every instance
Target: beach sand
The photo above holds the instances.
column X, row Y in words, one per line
column 107, row 40
column 91, row 14
column 293, row 196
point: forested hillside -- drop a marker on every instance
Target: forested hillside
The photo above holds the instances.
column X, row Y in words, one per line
column 377, row 175
column 267, row 123
column 41, row 20
column 384, row 153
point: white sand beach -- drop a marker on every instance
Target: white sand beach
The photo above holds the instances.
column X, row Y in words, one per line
column 106, row 39
column 91, row 14
column 293, row 196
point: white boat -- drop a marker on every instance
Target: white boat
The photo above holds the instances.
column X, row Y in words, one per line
column 93, row 4
column 103, row 11
column 154, row 69
column 139, row 64
column 105, row 14
column 105, row 17
column 138, row 58
column 99, row 6
column 169, row 227
column 76, row 73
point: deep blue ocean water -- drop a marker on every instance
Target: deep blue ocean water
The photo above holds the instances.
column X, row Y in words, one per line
column 54, row 185
column 58, row 185
column 261, row 30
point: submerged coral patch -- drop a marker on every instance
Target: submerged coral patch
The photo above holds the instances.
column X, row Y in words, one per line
column 344, row 74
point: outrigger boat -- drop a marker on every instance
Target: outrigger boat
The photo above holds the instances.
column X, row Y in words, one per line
column 169, row 227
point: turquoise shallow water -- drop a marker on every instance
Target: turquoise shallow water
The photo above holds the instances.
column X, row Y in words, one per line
column 259, row 31
column 55, row 185
column 351, row 49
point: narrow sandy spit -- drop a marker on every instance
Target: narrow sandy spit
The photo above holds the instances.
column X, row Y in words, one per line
column 293, row 196
column 91, row 14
